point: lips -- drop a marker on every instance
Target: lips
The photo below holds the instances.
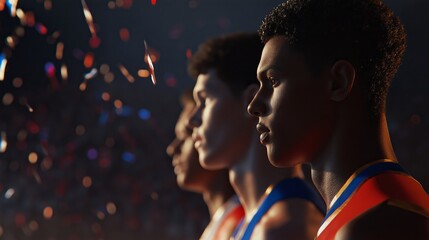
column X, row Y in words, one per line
column 264, row 133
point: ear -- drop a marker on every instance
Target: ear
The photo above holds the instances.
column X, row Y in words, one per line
column 248, row 94
column 343, row 77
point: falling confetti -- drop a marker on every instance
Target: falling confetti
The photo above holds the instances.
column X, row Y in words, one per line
column 87, row 76
column 91, row 74
column 143, row 73
column 3, row 62
column 126, row 74
column 124, row 34
column 149, row 62
column 64, row 72
column 59, row 51
column 9, row 193
column 30, row 109
column 36, row 176
column 48, row 4
column 88, row 61
column 24, row 102
column 89, row 19
column 50, row 72
column 11, row 4
column 3, row 142
column 41, row 29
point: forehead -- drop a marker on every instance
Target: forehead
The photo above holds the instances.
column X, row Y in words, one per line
column 210, row 82
column 182, row 121
column 277, row 53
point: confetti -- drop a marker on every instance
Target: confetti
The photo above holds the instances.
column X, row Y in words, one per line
column 7, row 99
column 24, row 102
column 124, row 34
column 143, row 73
column 64, row 72
column 30, row 109
column 111, row 208
column 32, row 158
column 91, row 74
column 41, row 29
column 48, row 212
column 29, row 19
column 89, row 19
column 94, row 42
column 88, row 61
column 149, row 61
column 188, row 53
column 3, row 142
column 144, row 114
column 3, row 63
column 128, row 157
column 50, row 69
column 126, row 74
column 59, row 51
column 50, row 72
column 17, row 82
column 36, row 176
column 9, row 193
column 11, row 41
column 48, row 4
column 11, row 4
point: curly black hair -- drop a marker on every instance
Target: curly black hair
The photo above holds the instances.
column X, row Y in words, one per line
column 235, row 57
column 364, row 32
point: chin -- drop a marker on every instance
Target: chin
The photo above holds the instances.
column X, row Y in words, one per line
column 283, row 160
column 210, row 163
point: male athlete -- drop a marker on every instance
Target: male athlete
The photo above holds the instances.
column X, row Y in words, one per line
column 324, row 75
column 278, row 203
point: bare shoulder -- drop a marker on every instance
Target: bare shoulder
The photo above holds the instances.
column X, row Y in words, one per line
column 291, row 219
column 386, row 222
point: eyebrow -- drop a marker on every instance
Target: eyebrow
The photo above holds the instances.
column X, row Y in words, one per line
column 266, row 69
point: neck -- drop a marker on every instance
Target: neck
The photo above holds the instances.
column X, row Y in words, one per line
column 355, row 142
column 253, row 174
column 217, row 195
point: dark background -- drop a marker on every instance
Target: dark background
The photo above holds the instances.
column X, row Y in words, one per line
column 114, row 133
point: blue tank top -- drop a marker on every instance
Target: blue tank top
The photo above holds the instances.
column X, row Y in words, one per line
column 286, row 189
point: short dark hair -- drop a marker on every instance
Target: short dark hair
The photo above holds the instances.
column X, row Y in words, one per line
column 364, row 32
column 235, row 57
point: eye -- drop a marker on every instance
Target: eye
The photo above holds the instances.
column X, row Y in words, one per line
column 274, row 82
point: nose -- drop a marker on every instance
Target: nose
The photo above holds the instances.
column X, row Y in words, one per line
column 174, row 147
column 195, row 118
column 257, row 107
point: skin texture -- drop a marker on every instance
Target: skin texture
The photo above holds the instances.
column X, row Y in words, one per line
column 220, row 140
column 322, row 119
column 292, row 105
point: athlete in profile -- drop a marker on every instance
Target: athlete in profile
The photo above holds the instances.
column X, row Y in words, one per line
column 324, row 75
column 224, row 207
column 278, row 203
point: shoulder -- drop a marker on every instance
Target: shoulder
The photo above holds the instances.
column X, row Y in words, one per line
column 386, row 222
column 291, row 219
